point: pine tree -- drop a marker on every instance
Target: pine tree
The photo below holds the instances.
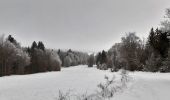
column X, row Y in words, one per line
column 98, row 59
column 34, row 45
column 41, row 45
column 164, row 44
column 104, row 57
column 11, row 39
column 159, row 41
column 151, row 41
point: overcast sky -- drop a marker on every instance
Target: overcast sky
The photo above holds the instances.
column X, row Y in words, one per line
column 86, row 25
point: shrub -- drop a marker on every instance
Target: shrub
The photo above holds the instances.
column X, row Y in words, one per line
column 105, row 92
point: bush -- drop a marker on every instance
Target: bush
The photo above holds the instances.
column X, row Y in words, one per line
column 106, row 89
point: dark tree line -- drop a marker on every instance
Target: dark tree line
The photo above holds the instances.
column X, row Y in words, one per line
column 15, row 59
column 42, row 59
column 135, row 54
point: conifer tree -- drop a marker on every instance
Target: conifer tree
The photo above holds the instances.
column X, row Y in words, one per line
column 34, row 45
column 41, row 45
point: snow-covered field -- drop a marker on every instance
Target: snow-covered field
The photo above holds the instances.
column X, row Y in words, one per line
column 81, row 79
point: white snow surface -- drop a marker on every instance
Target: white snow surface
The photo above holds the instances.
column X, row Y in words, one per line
column 81, row 79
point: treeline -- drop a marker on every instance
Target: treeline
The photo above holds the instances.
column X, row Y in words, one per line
column 15, row 59
column 132, row 53
column 72, row 58
column 135, row 54
column 42, row 59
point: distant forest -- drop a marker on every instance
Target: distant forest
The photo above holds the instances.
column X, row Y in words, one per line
column 15, row 59
column 132, row 53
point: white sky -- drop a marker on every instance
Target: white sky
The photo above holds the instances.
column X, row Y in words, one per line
column 86, row 25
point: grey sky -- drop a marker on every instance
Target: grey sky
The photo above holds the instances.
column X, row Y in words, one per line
column 89, row 25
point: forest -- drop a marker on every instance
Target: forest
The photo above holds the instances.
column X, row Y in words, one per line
column 132, row 53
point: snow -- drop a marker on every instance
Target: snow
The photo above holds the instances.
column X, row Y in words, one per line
column 81, row 79
column 147, row 86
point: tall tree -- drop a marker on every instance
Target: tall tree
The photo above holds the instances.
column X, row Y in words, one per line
column 129, row 50
column 151, row 37
column 98, row 58
column 104, row 57
column 41, row 45
column 34, row 45
column 11, row 39
column 91, row 60
column 159, row 41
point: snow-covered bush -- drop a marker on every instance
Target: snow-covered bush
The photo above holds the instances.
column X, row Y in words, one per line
column 105, row 91
column 112, row 86
column 63, row 96
column 102, row 66
column 124, row 78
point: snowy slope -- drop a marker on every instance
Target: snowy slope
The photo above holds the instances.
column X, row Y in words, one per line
column 81, row 79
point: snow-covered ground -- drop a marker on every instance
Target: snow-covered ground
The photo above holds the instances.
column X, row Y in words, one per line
column 81, row 79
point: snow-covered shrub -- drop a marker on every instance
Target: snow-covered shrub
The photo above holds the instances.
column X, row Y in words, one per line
column 103, row 66
column 63, row 96
column 112, row 86
column 106, row 90
column 124, row 78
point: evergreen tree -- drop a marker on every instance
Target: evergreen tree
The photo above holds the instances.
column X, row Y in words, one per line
column 159, row 41
column 98, row 59
column 11, row 39
column 41, row 45
column 151, row 38
column 153, row 63
column 104, row 57
column 34, row 45
column 164, row 44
